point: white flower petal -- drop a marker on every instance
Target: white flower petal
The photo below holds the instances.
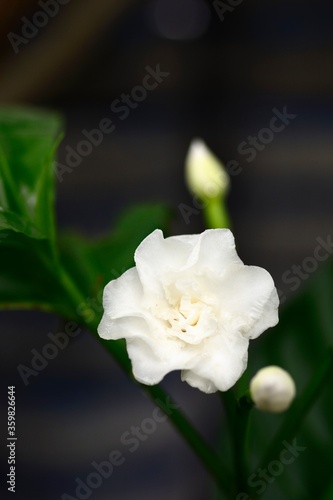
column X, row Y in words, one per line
column 198, row 381
column 151, row 361
column 215, row 251
column 268, row 318
column 123, row 328
column 122, row 296
column 248, row 300
column 221, row 365
column 154, row 249
column 122, row 307
column 141, row 356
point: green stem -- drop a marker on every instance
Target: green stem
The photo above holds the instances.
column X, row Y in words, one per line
column 73, row 292
column 294, row 419
column 238, row 415
column 208, row 457
column 216, row 215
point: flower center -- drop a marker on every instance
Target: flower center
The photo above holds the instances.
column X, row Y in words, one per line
column 191, row 320
column 189, row 312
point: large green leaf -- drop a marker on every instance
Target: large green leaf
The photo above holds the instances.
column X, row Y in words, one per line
column 28, row 279
column 28, row 264
column 28, row 140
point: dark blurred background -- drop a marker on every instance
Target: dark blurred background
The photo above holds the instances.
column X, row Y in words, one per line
column 227, row 72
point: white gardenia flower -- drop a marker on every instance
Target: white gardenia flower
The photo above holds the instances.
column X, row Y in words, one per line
column 205, row 175
column 189, row 304
column 272, row 389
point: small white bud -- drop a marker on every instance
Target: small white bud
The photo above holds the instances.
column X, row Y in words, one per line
column 272, row 389
column 205, row 175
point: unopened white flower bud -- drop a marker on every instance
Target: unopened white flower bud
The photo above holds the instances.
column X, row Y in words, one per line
column 205, row 175
column 272, row 389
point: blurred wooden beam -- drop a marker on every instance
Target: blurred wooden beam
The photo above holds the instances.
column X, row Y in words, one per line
column 54, row 54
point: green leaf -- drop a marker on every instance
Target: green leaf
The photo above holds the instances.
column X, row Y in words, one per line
column 28, row 280
column 28, row 140
column 28, row 263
